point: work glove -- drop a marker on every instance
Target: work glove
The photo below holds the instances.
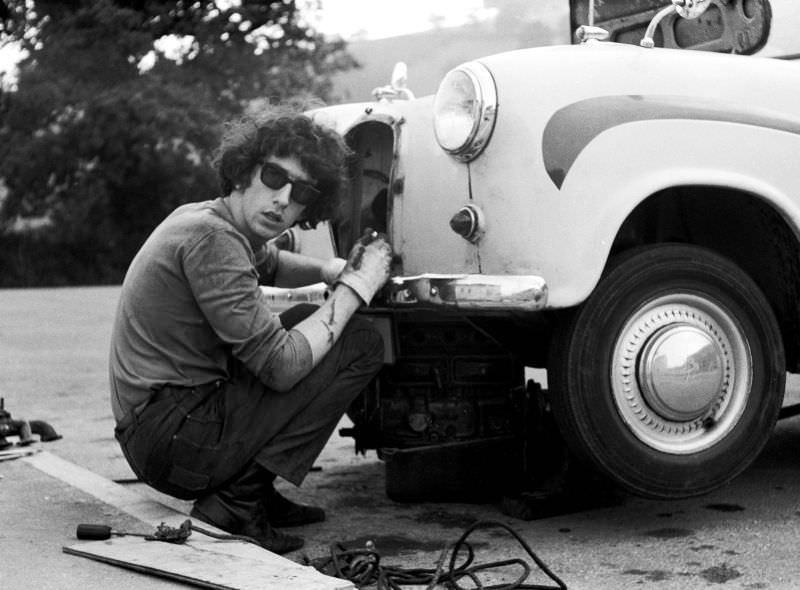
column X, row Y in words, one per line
column 367, row 267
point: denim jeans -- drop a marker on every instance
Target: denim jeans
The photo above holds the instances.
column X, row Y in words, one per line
column 188, row 442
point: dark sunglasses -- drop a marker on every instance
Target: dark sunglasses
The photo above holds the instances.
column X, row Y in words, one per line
column 275, row 177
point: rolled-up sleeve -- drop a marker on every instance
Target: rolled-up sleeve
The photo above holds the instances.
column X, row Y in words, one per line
column 221, row 271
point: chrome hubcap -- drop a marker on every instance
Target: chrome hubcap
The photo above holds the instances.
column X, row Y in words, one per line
column 681, row 373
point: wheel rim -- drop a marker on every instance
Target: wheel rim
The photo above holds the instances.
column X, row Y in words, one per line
column 681, row 373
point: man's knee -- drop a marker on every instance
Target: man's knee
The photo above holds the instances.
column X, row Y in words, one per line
column 365, row 340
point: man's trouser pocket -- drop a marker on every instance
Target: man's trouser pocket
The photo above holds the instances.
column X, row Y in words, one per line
column 177, row 443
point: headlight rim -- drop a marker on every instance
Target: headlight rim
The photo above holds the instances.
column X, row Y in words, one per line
column 484, row 114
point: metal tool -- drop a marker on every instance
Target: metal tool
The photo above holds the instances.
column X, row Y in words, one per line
column 101, row 532
column 24, row 429
column 163, row 532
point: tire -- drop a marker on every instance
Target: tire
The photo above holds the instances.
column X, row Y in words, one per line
column 669, row 430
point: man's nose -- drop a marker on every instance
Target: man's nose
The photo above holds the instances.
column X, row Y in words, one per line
column 281, row 196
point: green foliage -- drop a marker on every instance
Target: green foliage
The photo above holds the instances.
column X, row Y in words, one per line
column 98, row 152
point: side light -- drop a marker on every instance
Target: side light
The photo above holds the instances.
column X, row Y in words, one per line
column 468, row 222
column 464, row 110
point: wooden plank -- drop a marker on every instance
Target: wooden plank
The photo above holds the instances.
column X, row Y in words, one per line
column 202, row 561
column 208, row 563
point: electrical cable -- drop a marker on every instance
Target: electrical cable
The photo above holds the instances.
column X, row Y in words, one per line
column 363, row 567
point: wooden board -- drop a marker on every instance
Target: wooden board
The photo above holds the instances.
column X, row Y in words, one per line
column 203, row 561
column 208, row 563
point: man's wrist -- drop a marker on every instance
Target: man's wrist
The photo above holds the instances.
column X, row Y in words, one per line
column 331, row 270
column 344, row 289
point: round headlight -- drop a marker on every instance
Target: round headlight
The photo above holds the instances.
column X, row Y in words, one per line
column 464, row 110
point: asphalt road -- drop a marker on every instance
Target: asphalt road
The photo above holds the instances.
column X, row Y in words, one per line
column 53, row 349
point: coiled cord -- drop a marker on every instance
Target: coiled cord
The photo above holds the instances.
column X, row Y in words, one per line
column 363, row 567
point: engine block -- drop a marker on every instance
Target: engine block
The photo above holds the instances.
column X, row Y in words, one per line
column 450, row 382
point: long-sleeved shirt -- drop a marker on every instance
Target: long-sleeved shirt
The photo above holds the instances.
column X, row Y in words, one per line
column 191, row 303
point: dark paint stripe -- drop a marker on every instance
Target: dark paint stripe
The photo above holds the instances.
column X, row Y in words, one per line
column 573, row 127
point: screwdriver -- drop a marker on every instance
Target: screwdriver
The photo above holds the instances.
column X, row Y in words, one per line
column 101, row 532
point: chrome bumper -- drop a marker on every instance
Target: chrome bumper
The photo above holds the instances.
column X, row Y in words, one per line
column 464, row 292
column 470, row 292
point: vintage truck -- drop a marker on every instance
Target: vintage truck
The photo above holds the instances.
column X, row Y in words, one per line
column 622, row 217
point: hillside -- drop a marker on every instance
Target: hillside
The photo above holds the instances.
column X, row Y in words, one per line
column 429, row 55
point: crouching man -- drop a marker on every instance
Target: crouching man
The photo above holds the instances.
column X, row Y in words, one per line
column 214, row 395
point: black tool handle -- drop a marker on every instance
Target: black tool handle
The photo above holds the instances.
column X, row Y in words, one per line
column 94, row 532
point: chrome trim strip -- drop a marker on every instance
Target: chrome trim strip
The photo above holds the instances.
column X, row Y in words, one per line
column 471, row 292
column 281, row 299
column 464, row 291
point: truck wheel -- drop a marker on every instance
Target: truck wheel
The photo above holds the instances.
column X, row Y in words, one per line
column 670, row 377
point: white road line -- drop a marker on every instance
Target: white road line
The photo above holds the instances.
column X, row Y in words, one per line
column 145, row 509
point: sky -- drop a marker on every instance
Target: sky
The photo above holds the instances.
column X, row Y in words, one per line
column 381, row 18
column 372, row 19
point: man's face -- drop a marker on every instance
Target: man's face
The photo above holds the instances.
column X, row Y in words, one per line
column 264, row 212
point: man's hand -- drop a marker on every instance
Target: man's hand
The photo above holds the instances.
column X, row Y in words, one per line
column 367, row 267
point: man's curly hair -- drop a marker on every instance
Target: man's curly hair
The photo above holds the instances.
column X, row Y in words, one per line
column 282, row 133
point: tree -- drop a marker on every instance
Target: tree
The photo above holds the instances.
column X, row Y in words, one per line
column 95, row 148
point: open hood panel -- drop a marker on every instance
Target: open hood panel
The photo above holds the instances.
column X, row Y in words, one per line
column 728, row 26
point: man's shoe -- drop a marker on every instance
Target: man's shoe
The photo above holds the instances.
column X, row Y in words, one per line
column 282, row 512
column 257, row 528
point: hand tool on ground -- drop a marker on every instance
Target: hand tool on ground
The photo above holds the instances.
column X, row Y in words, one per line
column 101, row 532
column 168, row 534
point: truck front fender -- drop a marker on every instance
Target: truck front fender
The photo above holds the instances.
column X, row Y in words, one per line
column 625, row 164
